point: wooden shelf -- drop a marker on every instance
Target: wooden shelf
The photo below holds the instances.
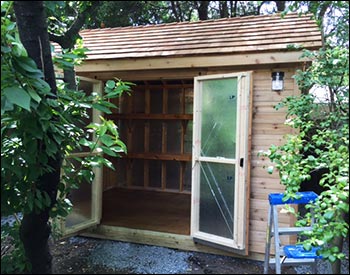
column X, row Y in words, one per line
column 160, row 156
column 153, row 116
column 155, row 124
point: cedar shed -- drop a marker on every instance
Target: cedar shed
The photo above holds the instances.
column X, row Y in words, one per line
column 201, row 110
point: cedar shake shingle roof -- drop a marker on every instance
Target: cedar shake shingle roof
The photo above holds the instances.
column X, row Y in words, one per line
column 221, row 36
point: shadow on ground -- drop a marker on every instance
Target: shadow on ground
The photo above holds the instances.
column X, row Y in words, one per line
column 79, row 255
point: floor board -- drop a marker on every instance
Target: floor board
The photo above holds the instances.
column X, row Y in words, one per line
column 147, row 210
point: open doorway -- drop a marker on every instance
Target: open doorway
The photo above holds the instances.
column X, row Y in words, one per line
column 151, row 187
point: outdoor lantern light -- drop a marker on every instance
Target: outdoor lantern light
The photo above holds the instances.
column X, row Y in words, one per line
column 277, row 81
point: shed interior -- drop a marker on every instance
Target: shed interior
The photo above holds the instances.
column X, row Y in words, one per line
column 151, row 186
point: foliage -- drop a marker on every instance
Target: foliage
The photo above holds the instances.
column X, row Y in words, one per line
column 134, row 13
column 37, row 125
column 14, row 261
column 331, row 16
column 62, row 14
column 321, row 142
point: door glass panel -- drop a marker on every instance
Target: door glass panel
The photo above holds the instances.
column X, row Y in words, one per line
column 86, row 210
column 219, row 108
column 217, row 199
column 81, row 199
column 87, row 87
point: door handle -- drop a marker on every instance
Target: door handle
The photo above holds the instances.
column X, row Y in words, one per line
column 241, row 162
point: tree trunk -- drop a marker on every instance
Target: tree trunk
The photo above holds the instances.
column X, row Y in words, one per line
column 336, row 266
column 35, row 229
column 203, row 9
column 223, row 9
column 281, row 5
column 32, row 28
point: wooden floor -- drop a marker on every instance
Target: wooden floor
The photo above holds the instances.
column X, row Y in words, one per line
column 147, row 210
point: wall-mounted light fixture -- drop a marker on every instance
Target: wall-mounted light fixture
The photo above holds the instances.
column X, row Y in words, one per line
column 277, row 81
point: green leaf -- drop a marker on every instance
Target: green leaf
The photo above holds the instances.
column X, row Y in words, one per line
column 270, row 169
column 112, row 127
column 86, row 142
column 108, row 164
column 42, row 85
column 88, row 175
column 102, row 130
column 110, row 84
column 101, row 108
column 332, row 258
column 38, row 203
column 107, row 140
column 108, row 151
column 47, row 200
column 38, row 195
column 17, row 96
column 328, row 215
column 307, row 246
column 27, row 64
column 33, row 94
column 6, row 105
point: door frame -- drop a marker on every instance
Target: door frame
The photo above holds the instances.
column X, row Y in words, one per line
column 241, row 220
column 97, row 183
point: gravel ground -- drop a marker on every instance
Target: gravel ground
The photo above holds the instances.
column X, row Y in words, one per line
column 80, row 255
column 112, row 257
column 140, row 259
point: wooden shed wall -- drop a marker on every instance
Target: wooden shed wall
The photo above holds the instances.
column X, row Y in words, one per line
column 267, row 128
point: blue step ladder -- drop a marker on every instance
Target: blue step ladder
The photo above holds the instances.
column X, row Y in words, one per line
column 288, row 254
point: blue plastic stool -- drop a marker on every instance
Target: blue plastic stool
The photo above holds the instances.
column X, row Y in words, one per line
column 298, row 252
column 289, row 254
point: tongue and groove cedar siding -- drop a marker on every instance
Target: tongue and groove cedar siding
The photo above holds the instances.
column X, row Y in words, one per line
column 154, row 121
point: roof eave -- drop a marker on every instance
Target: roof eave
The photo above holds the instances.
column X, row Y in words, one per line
column 192, row 61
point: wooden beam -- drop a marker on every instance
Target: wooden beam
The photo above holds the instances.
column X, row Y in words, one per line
column 146, row 141
column 152, row 116
column 164, row 135
column 123, row 64
column 182, row 175
column 183, row 242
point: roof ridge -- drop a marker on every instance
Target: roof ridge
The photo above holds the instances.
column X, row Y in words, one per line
column 248, row 17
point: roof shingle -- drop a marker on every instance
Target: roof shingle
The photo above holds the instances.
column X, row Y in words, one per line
column 220, row 36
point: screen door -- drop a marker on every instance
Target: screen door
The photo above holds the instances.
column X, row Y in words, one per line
column 221, row 110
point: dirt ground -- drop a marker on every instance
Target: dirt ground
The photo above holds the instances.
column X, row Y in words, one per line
column 79, row 256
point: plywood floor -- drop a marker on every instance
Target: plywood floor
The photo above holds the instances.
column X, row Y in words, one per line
column 147, row 210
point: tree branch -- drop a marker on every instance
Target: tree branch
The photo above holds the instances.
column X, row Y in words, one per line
column 67, row 41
